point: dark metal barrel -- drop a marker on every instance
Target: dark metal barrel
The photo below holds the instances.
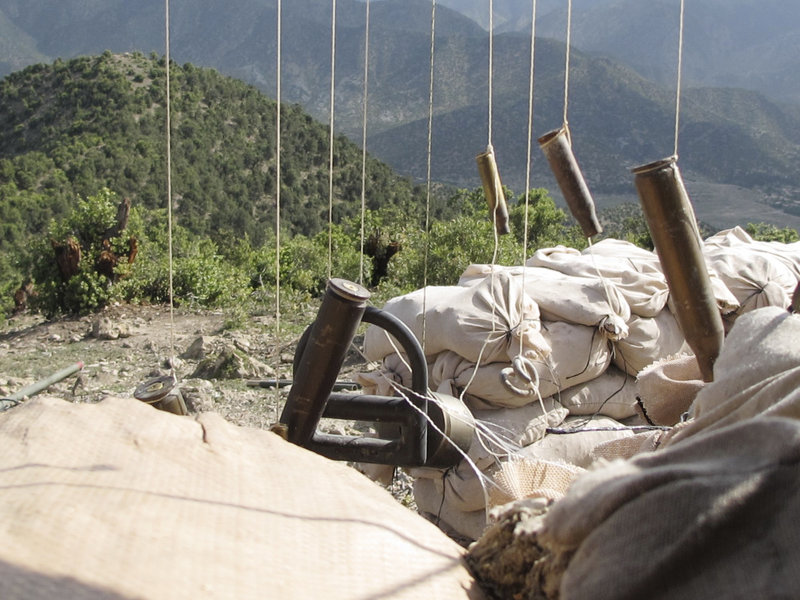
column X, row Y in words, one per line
column 330, row 337
column 674, row 230
column 493, row 190
column 557, row 148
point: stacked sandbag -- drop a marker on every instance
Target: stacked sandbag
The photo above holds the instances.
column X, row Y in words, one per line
column 757, row 273
column 711, row 514
column 561, row 341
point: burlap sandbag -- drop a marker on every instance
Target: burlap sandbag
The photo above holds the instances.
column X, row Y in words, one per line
column 736, row 239
column 649, row 340
column 756, row 276
column 757, row 373
column 635, row 272
column 582, row 300
column 612, row 394
column 714, row 517
column 118, row 500
column 578, row 354
column 492, row 321
column 712, row 513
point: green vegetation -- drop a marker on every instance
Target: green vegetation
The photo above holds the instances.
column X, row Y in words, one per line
column 83, row 189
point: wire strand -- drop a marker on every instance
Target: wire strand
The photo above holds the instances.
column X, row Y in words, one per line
column 428, row 180
column 528, row 165
column 168, row 102
column 331, row 139
column 364, row 144
column 566, row 65
column 491, row 67
column 278, row 197
column 678, row 86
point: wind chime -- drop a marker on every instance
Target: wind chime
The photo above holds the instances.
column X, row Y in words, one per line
column 557, row 148
column 673, row 227
column 487, row 163
column 163, row 392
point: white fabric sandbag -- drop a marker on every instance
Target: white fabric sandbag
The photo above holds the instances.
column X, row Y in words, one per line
column 755, row 278
column 612, row 394
column 441, row 512
column 736, row 239
column 499, row 434
column 583, row 300
column 119, row 500
column 575, row 445
column 634, row 271
column 714, row 516
column 649, row 340
column 578, row 354
column 393, row 373
column 757, row 373
column 409, row 309
column 513, row 479
column 491, row 321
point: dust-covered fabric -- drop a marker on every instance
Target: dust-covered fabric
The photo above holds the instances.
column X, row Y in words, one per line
column 712, row 512
column 491, row 321
column 119, row 500
column 635, row 272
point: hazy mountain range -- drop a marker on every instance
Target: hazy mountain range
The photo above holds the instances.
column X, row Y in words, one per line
column 738, row 147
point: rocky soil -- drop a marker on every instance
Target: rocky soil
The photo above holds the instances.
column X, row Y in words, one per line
column 221, row 360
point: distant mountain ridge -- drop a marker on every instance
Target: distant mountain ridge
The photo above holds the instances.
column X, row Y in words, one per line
column 732, row 142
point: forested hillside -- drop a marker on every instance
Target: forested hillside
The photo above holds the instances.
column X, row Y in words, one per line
column 73, row 127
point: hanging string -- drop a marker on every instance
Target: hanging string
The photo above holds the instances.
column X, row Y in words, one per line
column 330, row 141
column 169, row 195
column 428, row 178
column 528, row 163
column 278, row 197
column 364, row 145
column 566, row 66
column 678, row 86
column 491, row 65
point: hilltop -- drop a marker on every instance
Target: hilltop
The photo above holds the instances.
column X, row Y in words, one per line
column 72, row 127
column 738, row 148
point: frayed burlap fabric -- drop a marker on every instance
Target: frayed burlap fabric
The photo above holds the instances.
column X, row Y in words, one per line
column 119, row 500
column 712, row 515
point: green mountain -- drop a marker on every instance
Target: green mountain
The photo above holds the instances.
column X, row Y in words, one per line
column 69, row 128
column 738, row 150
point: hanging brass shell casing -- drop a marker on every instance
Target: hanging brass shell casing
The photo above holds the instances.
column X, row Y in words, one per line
column 493, row 190
column 557, row 147
column 674, row 230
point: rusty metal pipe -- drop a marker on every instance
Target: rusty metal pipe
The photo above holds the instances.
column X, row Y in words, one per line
column 493, row 190
column 557, row 147
column 674, row 230
column 331, row 334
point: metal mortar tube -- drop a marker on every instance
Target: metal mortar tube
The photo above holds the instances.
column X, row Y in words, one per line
column 493, row 190
column 330, row 337
column 674, row 230
column 557, row 147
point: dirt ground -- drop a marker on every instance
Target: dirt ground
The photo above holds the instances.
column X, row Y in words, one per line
column 125, row 346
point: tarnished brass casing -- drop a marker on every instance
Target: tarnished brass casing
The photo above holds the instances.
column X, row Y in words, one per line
column 557, row 147
column 493, row 190
column 674, row 230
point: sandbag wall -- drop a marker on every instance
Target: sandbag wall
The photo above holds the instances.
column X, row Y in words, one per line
column 546, row 356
